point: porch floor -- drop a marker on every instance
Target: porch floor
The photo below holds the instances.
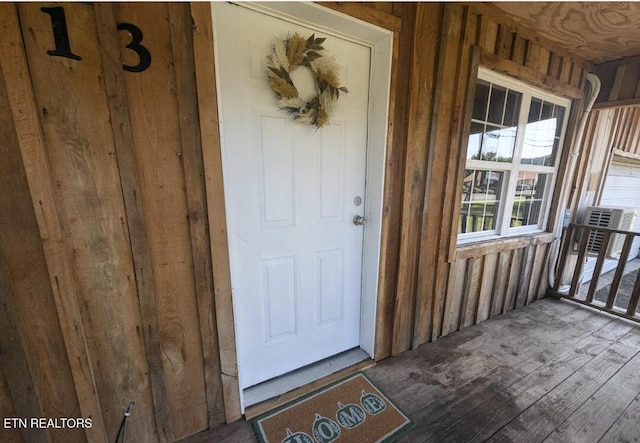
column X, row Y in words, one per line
column 553, row 371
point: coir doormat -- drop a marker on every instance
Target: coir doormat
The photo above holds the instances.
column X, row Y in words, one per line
column 350, row 410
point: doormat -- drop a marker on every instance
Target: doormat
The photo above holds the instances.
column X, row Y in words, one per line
column 350, row 410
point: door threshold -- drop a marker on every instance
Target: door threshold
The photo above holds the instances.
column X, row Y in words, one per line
column 272, row 393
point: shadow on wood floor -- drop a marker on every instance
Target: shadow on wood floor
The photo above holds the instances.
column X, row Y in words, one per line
column 553, row 371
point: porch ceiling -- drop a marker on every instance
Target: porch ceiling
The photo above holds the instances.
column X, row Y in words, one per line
column 595, row 31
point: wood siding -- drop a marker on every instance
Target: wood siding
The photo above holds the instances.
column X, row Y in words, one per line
column 443, row 287
column 107, row 216
column 114, row 268
column 620, row 83
column 610, row 132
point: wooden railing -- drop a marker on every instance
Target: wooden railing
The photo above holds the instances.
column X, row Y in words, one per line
column 575, row 248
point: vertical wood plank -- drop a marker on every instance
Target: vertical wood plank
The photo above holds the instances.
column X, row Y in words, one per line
column 617, row 278
column 501, row 282
column 434, row 243
column 32, row 146
column 536, row 265
column 7, row 410
column 577, row 75
column 467, row 72
column 425, row 50
column 584, row 234
column 449, row 121
column 635, row 298
column 154, row 110
column 518, row 256
column 536, row 272
column 395, row 165
column 599, row 265
column 538, row 58
column 14, row 363
column 26, row 293
column 525, row 276
column 209, row 133
column 440, row 298
column 466, row 287
column 627, row 128
column 566, row 70
column 542, row 277
column 181, row 37
column 75, row 119
column 504, row 41
column 455, row 296
column 488, row 34
column 470, row 310
column 544, row 61
column 468, row 76
column 487, row 290
column 131, row 188
column 519, row 52
column 614, row 93
column 555, row 66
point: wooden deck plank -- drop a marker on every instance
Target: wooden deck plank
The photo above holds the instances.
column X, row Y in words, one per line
column 420, row 380
column 475, row 383
column 540, row 418
column 601, row 410
column 626, row 427
column 476, row 410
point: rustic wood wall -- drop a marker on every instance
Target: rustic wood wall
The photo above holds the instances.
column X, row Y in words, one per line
column 114, row 281
column 442, row 288
column 620, row 83
column 105, row 268
column 610, row 131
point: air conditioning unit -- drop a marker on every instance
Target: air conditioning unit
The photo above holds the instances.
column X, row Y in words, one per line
column 612, row 217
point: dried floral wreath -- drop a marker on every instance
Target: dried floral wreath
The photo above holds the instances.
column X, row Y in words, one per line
column 292, row 52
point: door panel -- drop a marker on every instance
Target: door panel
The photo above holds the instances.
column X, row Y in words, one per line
column 291, row 192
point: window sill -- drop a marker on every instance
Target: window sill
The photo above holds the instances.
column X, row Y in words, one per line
column 480, row 247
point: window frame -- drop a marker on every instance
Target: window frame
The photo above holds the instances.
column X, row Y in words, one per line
column 512, row 169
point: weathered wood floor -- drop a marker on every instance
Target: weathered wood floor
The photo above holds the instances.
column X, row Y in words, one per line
column 553, row 371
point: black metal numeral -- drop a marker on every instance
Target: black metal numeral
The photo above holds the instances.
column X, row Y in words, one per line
column 60, row 34
column 143, row 53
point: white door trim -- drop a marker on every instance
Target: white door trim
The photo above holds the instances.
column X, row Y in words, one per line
column 380, row 41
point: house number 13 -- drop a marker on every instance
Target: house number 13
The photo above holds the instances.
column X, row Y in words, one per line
column 63, row 47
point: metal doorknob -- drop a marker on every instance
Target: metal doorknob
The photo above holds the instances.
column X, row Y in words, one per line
column 358, row 220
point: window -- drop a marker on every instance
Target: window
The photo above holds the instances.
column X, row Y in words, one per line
column 515, row 140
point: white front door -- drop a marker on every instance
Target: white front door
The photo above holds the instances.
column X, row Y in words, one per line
column 291, row 193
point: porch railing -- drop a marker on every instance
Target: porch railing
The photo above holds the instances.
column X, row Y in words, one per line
column 581, row 241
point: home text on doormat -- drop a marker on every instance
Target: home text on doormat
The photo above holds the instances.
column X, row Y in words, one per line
column 350, row 410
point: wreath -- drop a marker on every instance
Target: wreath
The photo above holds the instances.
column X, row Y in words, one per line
column 288, row 55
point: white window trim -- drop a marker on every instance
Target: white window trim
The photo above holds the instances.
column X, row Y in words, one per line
column 503, row 229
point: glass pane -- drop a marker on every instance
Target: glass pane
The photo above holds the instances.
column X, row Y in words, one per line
column 534, row 110
column 480, row 200
column 528, row 198
column 496, row 105
column 547, row 111
column 480, row 101
column 541, row 133
column 498, row 144
column 559, row 114
column 512, row 111
column 475, row 141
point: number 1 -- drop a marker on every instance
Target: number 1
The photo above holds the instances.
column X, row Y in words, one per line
column 60, row 33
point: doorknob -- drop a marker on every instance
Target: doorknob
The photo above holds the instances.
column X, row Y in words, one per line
column 358, row 220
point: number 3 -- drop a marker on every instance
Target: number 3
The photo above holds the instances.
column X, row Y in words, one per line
column 143, row 53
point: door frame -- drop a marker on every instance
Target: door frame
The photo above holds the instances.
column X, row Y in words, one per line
column 380, row 33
